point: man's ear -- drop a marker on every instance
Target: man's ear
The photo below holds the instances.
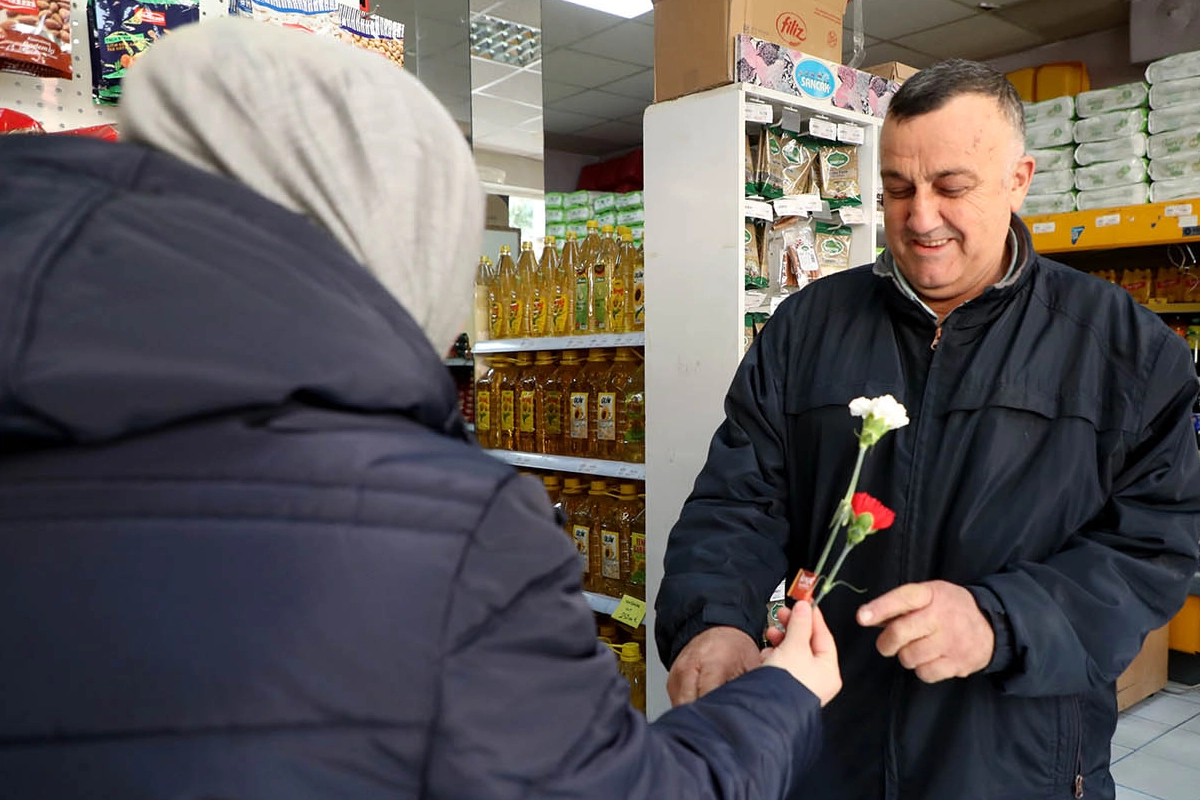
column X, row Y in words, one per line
column 1019, row 181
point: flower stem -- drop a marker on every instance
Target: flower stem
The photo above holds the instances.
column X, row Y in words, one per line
column 842, row 513
column 828, row 583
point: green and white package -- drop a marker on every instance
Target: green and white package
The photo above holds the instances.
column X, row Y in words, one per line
column 1180, row 165
column 1036, row 204
column 1059, row 108
column 1113, row 150
column 1135, row 194
column 1174, row 118
column 630, row 200
column 1101, row 101
column 1175, row 93
column 557, row 230
column 1055, row 133
column 578, row 214
column 554, row 199
column 1185, row 140
column 1172, row 68
column 1113, row 125
column 608, row 218
column 1180, row 189
column 603, row 201
column 1111, row 174
column 555, row 215
column 1053, row 159
column 577, row 200
column 1062, row 180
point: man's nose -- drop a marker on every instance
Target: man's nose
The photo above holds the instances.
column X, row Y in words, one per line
column 924, row 214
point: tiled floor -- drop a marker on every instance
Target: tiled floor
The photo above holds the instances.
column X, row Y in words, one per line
column 1156, row 749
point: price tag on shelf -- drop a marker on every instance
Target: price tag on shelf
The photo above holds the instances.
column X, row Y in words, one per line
column 851, row 134
column 852, row 215
column 800, row 205
column 789, row 120
column 1178, row 210
column 1044, row 227
column 1108, row 220
column 758, row 209
column 630, row 611
column 759, row 112
column 1190, row 221
column 823, row 129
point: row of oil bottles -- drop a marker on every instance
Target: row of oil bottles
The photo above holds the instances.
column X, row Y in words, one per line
column 564, row 404
column 596, row 287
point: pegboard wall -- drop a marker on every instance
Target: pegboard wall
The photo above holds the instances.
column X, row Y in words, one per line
column 61, row 104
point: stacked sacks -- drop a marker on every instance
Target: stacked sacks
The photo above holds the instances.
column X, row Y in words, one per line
column 1049, row 132
column 1174, row 122
column 1110, row 156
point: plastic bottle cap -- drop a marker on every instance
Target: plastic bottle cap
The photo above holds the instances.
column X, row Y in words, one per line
column 551, row 481
column 550, row 239
column 631, row 651
column 628, row 490
column 607, row 229
column 591, row 223
column 599, row 486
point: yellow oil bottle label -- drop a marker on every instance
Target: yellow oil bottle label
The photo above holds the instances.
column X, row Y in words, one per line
column 580, row 534
column 639, row 296
column 635, row 418
column 637, row 559
column 508, row 410
column 537, row 314
column 514, row 309
column 526, row 412
column 600, row 298
column 483, row 412
column 552, row 413
column 606, row 416
column 616, row 305
column 558, row 314
column 610, row 554
column 581, row 304
column 579, row 415
column 496, row 320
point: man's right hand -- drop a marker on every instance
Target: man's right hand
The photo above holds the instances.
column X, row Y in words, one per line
column 806, row 650
column 713, row 658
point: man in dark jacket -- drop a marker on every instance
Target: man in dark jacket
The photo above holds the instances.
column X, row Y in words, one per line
column 1047, row 490
column 247, row 549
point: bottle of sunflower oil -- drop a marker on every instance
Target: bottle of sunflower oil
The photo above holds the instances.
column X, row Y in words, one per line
column 487, row 415
column 637, row 542
column 483, row 294
column 621, row 287
column 602, row 271
column 598, row 509
column 616, row 526
column 577, row 507
column 553, row 490
column 637, row 303
column 630, row 388
column 633, row 667
column 524, row 436
column 558, row 289
column 507, row 384
column 550, row 396
column 512, row 295
column 589, row 251
column 577, row 439
column 588, row 386
column 537, row 313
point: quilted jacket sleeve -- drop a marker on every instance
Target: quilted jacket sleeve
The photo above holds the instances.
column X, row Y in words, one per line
column 1131, row 567
column 531, row 706
column 727, row 550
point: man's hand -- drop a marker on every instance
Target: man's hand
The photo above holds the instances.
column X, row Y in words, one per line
column 934, row 628
column 806, row 650
column 715, row 657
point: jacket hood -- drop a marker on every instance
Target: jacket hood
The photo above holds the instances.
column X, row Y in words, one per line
column 137, row 292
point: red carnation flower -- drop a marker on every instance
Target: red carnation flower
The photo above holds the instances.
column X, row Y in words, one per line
column 882, row 516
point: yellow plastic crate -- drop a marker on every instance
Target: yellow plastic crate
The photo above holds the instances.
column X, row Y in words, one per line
column 1185, row 627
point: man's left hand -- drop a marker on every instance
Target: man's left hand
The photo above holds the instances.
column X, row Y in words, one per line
column 934, row 628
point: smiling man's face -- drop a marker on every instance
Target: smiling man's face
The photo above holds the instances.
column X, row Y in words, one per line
column 952, row 178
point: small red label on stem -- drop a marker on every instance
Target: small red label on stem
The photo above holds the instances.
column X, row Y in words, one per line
column 803, row 586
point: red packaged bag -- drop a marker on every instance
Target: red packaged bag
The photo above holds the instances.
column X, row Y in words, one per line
column 16, row 122
column 106, row 132
column 35, row 37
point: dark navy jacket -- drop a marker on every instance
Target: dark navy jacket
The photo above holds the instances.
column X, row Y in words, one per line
column 1050, row 466
column 248, row 551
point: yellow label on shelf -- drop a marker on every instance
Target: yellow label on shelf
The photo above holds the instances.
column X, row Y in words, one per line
column 630, row 611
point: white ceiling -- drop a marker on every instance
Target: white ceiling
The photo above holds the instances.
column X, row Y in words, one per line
column 598, row 77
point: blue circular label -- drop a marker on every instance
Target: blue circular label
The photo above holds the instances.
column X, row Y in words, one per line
column 814, row 79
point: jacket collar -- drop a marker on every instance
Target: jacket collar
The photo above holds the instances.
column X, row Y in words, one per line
column 1021, row 267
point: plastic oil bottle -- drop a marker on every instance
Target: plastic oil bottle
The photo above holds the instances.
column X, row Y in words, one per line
column 590, row 382
column 576, row 441
column 602, row 271
column 505, row 392
column 483, row 297
column 636, row 306
column 633, row 667
column 600, row 552
column 589, row 251
column 616, row 529
column 553, row 486
column 620, row 313
column 557, row 290
column 630, row 388
column 637, row 543
column 537, row 298
column 487, row 414
column 549, row 397
column 525, row 378
column 577, row 508
column 512, row 296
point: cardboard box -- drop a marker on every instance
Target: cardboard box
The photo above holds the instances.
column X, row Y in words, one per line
column 1148, row 672
column 693, row 39
column 767, row 64
column 893, row 71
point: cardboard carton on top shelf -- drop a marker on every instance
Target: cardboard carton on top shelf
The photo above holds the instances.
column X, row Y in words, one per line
column 694, row 39
column 893, row 71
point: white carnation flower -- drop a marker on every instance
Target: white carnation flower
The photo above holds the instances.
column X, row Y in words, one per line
column 880, row 415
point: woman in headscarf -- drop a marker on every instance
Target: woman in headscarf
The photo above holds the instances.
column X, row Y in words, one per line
column 247, row 548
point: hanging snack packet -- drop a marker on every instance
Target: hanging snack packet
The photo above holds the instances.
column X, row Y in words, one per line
column 753, row 260
column 372, row 32
column 35, row 37
column 833, row 248
column 797, row 166
column 311, row 16
column 839, row 175
column 771, row 185
column 122, row 30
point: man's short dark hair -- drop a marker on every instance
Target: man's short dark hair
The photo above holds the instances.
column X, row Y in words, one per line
column 933, row 87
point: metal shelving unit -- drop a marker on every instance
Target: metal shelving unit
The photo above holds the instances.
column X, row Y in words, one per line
column 583, row 342
column 583, row 466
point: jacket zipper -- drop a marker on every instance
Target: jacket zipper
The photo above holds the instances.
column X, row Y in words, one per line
column 937, row 337
column 1077, row 718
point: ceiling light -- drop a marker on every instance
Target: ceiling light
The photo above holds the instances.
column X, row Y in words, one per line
column 621, row 8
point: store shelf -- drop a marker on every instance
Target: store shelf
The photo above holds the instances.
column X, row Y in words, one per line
column 1173, row 308
column 458, row 362
column 602, row 603
column 1111, row 228
column 582, row 466
column 637, row 339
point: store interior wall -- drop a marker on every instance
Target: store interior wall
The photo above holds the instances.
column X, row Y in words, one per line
column 1096, row 50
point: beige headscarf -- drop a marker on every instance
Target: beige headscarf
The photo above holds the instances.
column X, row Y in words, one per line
column 338, row 134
